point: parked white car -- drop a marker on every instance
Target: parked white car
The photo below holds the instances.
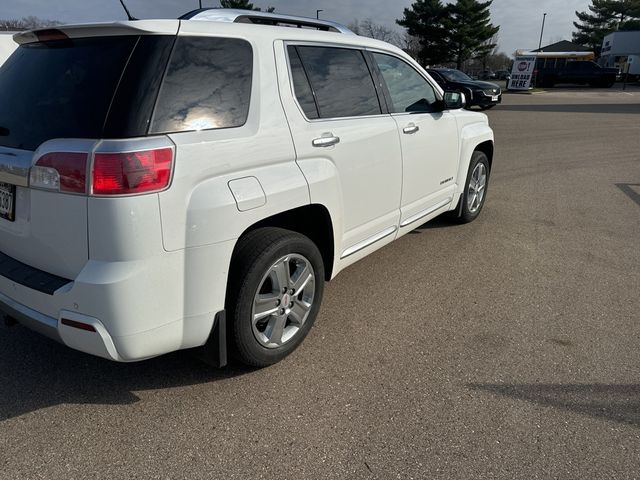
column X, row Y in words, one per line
column 182, row 183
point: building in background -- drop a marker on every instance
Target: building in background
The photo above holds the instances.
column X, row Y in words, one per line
column 558, row 54
column 622, row 50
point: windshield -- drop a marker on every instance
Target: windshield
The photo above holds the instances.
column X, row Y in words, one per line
column 455, row 76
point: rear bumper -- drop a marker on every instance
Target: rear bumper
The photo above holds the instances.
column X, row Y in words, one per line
column 132, row 310
column 28, row 317
column 97, row 342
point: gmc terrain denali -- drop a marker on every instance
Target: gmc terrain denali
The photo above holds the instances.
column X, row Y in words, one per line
column 189, row 183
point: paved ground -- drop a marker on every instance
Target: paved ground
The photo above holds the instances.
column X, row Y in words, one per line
column 507, row 348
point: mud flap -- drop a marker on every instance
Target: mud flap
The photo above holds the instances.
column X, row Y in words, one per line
column 214, row 352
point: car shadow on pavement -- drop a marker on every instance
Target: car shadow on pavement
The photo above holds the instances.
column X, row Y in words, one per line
column 443, row 221
column 36, row 373
column 618, row 402
column 631, row 192
column 598, row 108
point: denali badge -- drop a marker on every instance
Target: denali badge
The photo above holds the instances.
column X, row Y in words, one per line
column 446, row 180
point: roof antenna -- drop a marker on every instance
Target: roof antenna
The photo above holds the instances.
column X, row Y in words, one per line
column 129, row 16
column 200, row 1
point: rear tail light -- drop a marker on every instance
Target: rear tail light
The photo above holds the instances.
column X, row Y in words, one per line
column 132, row 173
column 129, row 173
column 65, row 172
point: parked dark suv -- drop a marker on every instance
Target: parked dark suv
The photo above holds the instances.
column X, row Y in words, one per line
column 478, row 93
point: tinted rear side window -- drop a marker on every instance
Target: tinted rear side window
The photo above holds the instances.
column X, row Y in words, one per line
column 130, row 112
column 207, row 85
column 60, row 89
column 341, row 81
column 301, row 85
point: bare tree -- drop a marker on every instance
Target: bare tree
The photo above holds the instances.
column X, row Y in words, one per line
column 411, row 45
column 26, row 23
column 488, row 50
column 368, row 28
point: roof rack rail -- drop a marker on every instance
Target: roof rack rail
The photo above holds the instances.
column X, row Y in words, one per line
column 263, row 18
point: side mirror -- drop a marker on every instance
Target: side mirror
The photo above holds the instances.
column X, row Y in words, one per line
column 454, row 100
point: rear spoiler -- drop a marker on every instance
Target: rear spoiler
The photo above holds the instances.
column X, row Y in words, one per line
column 139, row 27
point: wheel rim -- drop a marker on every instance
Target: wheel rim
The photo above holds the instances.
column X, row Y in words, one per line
column 477, row 185
column 283, row 301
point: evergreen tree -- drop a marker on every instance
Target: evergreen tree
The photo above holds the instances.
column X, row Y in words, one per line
column 470, row 31
column 424, row 21
column 242, row 5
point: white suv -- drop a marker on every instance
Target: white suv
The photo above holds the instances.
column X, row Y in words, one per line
column 187, row 183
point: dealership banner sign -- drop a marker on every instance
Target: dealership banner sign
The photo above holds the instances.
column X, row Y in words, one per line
column 522, row 73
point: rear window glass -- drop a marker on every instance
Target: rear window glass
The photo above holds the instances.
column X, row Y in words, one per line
column 207, row 85
column 60, row 89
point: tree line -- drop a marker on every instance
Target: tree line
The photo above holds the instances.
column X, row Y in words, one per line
column 604, row 17
column 436, row 33
column 25, row 23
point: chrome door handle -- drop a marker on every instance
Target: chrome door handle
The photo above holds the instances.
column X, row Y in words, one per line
column 326, row 140
column 411, row 128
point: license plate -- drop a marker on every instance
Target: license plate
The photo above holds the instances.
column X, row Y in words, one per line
column 7, row 201
column 494, row 98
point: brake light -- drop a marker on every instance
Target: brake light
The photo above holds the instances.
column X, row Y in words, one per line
column 61, row 171
column 51, row 34
column 132, row 173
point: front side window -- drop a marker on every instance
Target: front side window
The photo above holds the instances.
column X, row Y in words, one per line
column 207, row 85
column 409, row 90
column 341, row 81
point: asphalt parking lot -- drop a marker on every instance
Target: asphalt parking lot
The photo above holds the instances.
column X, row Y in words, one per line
column 506, row 348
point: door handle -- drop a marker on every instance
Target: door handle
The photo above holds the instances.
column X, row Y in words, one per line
column 326, row 140
column 411, row 128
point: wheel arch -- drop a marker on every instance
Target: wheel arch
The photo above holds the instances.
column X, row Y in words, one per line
column 314, row 221
column 474, row 136
column 486, row 148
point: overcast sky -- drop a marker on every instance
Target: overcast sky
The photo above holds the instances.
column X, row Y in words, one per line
column 519, row 20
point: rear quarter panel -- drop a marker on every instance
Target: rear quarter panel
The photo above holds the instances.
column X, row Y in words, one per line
column 199, row 209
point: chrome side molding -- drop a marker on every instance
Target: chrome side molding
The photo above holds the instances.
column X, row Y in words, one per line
column 424, row 213
column 369, row 241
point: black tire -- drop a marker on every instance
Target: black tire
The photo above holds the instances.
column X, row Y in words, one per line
column 256, row 253
column 466, row 215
